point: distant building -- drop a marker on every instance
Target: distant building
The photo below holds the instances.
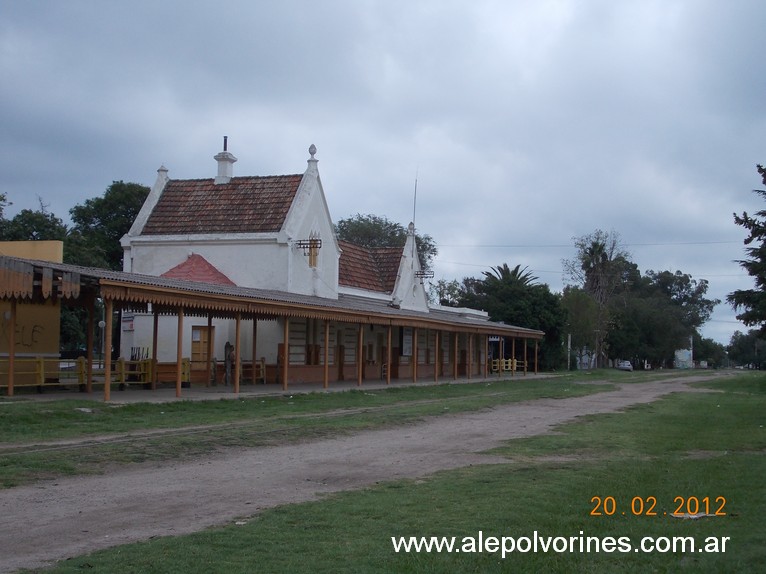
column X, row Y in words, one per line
column 683, row 359
column 36, row 333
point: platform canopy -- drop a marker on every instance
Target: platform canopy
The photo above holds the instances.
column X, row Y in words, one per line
column 32, row 281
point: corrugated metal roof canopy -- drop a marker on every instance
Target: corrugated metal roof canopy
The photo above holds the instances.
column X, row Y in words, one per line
column 27, row 279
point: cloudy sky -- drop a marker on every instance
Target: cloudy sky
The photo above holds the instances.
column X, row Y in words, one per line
column 526, row 123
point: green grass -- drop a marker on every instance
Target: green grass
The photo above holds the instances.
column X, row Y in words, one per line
column 24, row 420
column 28, row 420
column 196, row 428
column 690, row 444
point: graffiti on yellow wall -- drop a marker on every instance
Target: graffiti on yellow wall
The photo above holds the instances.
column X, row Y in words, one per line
column 37, row 328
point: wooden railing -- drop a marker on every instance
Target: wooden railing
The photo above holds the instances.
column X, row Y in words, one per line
column 507, row 365
column 46, row 371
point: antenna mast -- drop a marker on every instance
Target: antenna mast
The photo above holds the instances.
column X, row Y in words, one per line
column 415, row 198
column 420, row 274
column 414, row 208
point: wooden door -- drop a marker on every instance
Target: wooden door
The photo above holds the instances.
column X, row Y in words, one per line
column 200, row 337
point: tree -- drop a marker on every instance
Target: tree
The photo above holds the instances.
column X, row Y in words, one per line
column 747, row 349
column 706, row 349
column 375, row 231
column 656, row 314
column 511, row 296
column 445, row 293
column 41, row 225
column 503, row 273
column 28, row 225
column 600, row 267
column 600, row 264
column 4, row 203
column 100, row 223
column 752, row 302
column 581, row 320
column 687, row 294
column 647, row 329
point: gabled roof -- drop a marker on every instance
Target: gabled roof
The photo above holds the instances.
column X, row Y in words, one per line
column 197, row 268
column 372, row 269
column 244, row 205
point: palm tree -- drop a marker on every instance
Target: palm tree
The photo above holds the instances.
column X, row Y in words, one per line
column 595, row 265
column 504, row 274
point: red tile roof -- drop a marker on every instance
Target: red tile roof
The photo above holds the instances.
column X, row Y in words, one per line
column 372, row 269
column 244, row 205
column 197, row 268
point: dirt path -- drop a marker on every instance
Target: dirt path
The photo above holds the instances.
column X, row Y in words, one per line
column 52, row 520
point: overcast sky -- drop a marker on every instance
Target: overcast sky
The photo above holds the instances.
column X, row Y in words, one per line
column 526, row 123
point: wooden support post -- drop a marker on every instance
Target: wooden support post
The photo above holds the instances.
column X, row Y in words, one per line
column 469, row 360
column 179, row 350
column 155, row 347
column 237, row 350
column 388, row 356
column 414, row 354
column 11, row 347
column 486, row 356
column 108, row 304
column 437, row 356
column 209, row 349
column 285, row 352
column 326, row 359
column 360, row 355
column 119, row 370
column 91, row 310
column 255, row 347
column 456, row 336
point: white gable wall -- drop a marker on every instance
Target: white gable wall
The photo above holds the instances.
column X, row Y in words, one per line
column 258, row 260
column 249, row 260
column 309, row 218
column 149, row 203
column 409, row 292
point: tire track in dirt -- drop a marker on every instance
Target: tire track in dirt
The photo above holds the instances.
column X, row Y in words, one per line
column 152, row 434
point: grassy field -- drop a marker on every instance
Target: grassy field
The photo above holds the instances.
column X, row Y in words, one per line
column 101, row 435
column 690, row 445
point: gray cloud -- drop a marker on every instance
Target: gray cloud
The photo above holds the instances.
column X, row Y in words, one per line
column 527, row 124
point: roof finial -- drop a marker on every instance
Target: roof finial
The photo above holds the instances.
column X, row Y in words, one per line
column 312, row 150
column 225, row 143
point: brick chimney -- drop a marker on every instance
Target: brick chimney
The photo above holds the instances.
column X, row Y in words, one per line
column 225, row 164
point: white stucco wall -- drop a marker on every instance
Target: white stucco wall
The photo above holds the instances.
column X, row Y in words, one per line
column 258, row 260
column 138, row 333
column 248, row 260
column 309, row 217
column 409, row 291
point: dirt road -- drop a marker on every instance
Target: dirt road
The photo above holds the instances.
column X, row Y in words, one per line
column 52, row 520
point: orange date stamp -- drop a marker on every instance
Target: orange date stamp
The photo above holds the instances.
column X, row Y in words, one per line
column 647, row 506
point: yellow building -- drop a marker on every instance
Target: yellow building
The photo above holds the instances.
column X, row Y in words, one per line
column 37, row 326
